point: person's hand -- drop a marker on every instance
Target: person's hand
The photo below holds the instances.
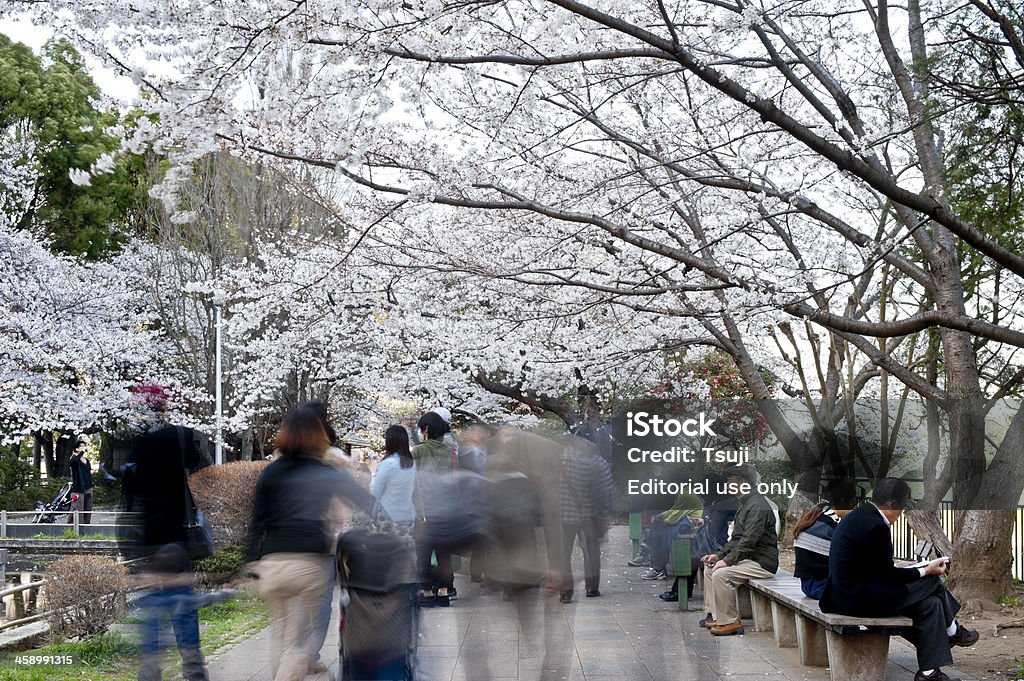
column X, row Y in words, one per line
column 711, row 559
column 719, row 564
column 936, row 567
column 697, row 522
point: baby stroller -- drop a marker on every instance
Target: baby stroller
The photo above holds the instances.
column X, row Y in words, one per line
column 379, row 617
column 60, row 506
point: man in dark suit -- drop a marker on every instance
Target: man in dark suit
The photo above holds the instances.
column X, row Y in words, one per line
column 864, row 582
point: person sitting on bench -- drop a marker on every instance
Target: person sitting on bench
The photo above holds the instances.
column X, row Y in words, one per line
column 751, row 553
column 812, row 535
column 682, row 518
column 864, row 582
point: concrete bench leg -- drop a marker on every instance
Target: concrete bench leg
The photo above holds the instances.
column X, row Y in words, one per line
column 743, row 602
column 810, row 637
column 785, row 626
column 857, row 657
column 762, row 607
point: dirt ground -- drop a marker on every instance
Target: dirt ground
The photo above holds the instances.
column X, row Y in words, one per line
column 995, row 655
column 992, row 657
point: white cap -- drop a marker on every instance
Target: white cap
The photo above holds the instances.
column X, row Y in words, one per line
column 445, row 415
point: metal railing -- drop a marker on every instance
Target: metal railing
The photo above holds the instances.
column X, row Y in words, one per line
column 24, row 519
column 904, row 541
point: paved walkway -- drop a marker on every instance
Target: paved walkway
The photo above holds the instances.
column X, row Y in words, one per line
column 626, row 635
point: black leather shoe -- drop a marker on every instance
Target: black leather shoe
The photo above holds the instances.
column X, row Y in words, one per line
column 963, row 637
column 936, row 675
column 593, row 593
column 669, row 596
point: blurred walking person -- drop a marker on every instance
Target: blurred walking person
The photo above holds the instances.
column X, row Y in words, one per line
column 586, row 493
column 292, row 535
column 473, row 457
column 435, row 462
column 161, row 456
column 342, row 522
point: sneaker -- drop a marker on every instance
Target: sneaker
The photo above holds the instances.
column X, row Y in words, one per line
column 670, row 597
column 452, row 594
column 641, row 560
column 963, row 637
column 653, row 573
column 731, row 629
column 936, row 675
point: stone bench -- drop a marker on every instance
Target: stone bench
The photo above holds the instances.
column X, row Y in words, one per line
column 853, row 648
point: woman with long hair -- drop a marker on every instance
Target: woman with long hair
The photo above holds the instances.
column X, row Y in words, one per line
column 394, row 477
column 812, row 535
column 292, row 536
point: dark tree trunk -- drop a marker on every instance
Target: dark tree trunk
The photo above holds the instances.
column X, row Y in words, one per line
column 44, row 441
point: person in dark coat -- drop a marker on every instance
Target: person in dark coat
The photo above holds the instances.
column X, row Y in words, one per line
column 291, row 534
column 161, row 455
column 81, row 482
column 864, row 582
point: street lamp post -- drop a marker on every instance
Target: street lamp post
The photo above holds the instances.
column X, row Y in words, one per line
column 219, row 441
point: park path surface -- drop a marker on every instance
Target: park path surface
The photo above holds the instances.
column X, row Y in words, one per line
column 626, row 635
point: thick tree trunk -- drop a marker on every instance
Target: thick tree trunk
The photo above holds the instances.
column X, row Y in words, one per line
column 979, row 573
column 64, row 447
column 37, row 453
column 44, row 440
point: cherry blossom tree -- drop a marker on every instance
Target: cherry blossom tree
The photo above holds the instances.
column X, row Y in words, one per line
column 703, row 171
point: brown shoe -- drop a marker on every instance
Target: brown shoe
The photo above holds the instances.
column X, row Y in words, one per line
column 727, row 629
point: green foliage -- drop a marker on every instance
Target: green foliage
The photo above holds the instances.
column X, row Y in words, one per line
column 227, row 561
column 15, row 473
column 113, row 656
column 20, row 485
column 105, row 495
column 1009, row 600
column 776, row 470
column 51, row 99
column 735, row 407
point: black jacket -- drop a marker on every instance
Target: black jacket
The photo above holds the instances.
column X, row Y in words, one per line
column 290, row 510
column 159, row 482
column 81, row 476
column 863, row 581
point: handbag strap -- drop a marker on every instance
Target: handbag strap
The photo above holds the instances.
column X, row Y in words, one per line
column 190, row 504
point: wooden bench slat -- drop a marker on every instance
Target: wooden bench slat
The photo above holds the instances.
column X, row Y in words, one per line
column 786, row 590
